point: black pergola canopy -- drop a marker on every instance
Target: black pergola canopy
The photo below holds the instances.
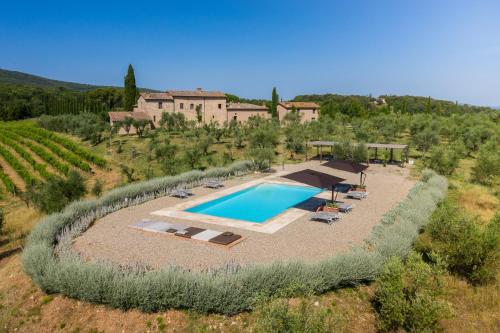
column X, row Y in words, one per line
column 345, row 165
column 348, row 166
column 314, row 178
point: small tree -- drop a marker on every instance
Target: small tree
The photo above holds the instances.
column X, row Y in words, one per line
column 199, row 115
column 443, row 160
column 140, row 126
column 486, row 170
column 127, row 123
column 360, row 153
column 130, row 91
column 295, row 141
column 2, row 220
column 57, row 192
column 274, row 103
column 97, row 188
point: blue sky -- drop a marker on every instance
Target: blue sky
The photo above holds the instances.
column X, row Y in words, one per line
column 445, row 49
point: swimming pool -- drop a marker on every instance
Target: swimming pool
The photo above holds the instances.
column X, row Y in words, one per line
column 257, row 203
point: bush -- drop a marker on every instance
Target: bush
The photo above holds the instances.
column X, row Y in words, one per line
column 278, row 316
column 406, row 296
column 57, row 192
column 49, row 259
column 468, row 249
column 444, row 160
column 97, row 188
column 486, row 171
column 2, row 220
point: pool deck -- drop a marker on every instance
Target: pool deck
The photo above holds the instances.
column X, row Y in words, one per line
column 295, row 235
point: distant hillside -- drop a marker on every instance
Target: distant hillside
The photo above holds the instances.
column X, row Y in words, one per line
column 24, row 79
column 28, row 80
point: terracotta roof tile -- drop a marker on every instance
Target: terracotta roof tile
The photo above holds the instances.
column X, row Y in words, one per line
column 300, row 105
column 195, row 93
column 156, row 96
column 120, row 115
column 246, row 106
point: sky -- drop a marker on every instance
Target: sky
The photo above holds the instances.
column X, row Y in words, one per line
column 440, row 48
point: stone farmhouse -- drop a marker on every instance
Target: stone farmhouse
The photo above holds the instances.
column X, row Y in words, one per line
column 211, row 106
column 308, row 111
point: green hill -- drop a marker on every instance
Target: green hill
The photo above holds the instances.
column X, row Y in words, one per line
column 24, row 79
column 15, row 78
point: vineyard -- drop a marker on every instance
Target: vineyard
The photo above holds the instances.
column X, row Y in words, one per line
column 30, row 155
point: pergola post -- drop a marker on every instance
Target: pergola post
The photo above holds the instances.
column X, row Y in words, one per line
column 321, row 153
column 392, row 155
column 376, row 153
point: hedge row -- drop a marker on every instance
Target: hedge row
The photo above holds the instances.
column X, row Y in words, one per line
column 8, row 183
column 49, row 259
column 70, row 145
column 66, row 155
column 41, row 152
column 18, row 167
column 39, row 167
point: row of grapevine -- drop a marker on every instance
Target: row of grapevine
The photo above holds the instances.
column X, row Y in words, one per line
column 64, row 154
column 40, row 168
column 18, row 167
column 7, row 182
column 41, row 152
column 70, row 145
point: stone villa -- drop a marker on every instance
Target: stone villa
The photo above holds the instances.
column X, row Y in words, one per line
column 308, row 111
column 212, row 106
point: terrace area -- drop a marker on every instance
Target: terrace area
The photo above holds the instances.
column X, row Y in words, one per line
column 290, row 235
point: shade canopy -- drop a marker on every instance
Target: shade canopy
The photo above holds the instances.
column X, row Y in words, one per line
column 346, row 165
column 314, row 178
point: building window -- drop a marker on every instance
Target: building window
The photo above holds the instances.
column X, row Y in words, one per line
column 181, row 106
column 313, row 119
column 213, row 117
column 154, row 119
column 235, row 117
column 220, row 106
column 314, row 111
column 191, row 106
column 298, row 110
column 160, row 105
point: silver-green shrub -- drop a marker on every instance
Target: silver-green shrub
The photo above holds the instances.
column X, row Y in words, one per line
column 53, row 266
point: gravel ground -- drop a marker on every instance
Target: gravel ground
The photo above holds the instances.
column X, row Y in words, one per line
column 110, row 238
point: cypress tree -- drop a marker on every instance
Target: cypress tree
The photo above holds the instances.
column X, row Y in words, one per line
column 130, row 93
column 274, row 103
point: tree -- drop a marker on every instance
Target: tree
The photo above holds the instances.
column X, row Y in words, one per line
column 262, row 141
column 486, row 171
column 426, row 139
column 199, row 115
column 165, row 154
column 295, row 141
column 57, row 192
column 443, row 160
column 140, row 126
column 127, row 123
column 130, row 92
column 2, row 220
column 97, row 188
column 274, row 103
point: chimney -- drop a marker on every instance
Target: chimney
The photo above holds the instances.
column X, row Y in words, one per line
column 199, row 89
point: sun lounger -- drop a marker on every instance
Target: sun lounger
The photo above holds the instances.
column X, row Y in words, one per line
column 185, row 190
column 225, row 238
column 344, row 207
column 189, row 232
column 178, row 229
column 179, row 194
column 328, row 217
column 357, row 195
column 214, row 184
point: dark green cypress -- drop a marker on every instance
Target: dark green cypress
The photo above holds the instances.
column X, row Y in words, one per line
column 130, row 93
column 274, row 103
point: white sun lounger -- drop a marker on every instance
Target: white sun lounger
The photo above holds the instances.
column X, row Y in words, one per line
column 357, row 195
column 214, row 184
column 328, row 217
column 179, row 194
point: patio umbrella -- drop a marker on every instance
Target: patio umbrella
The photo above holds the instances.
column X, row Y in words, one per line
column 316, row 179
column 348, row 166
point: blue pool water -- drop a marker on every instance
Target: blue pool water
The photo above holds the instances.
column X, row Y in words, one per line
column 258, row 203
